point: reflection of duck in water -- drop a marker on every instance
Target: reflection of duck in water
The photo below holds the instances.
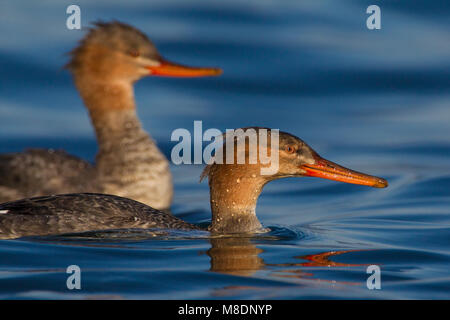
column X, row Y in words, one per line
column 237, row 256
column 234, row 191
column 318, row 260
column 105, row 65
column 324, row 259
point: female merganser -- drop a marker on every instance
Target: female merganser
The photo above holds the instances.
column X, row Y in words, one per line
column 110, row 58
column 234, row 190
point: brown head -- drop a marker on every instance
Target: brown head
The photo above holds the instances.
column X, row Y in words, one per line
column 111, row 57
column 117, row 51
column 235, row 186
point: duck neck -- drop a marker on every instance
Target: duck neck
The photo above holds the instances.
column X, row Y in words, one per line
column 128, row 162
column 113, row 115
column 233, row 199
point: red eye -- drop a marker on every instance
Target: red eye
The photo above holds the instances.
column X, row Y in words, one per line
column 134, row 53
column 289, row 149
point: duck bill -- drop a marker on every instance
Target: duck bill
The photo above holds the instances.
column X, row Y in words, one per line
column 329, row 170
column 169, row 69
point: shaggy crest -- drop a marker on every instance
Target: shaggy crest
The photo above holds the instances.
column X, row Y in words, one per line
column 114, row 35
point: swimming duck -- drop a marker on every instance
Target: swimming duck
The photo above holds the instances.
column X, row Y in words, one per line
column 234, row 191
column 105, row 65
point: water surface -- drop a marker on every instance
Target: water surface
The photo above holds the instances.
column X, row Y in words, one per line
column 374, row 101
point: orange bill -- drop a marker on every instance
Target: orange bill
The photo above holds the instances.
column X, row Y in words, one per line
column 332, row 171
column 170, row 69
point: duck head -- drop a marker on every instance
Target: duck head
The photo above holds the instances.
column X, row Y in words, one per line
column 116, row 51
column 236, row 185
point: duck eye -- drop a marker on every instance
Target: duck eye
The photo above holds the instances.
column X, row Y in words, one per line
column 134, row 53
column 289, row 149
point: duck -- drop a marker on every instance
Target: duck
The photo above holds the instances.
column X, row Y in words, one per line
column 105, row 65
column 234, row 188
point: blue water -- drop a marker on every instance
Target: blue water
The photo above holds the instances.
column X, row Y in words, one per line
column 375, row 101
